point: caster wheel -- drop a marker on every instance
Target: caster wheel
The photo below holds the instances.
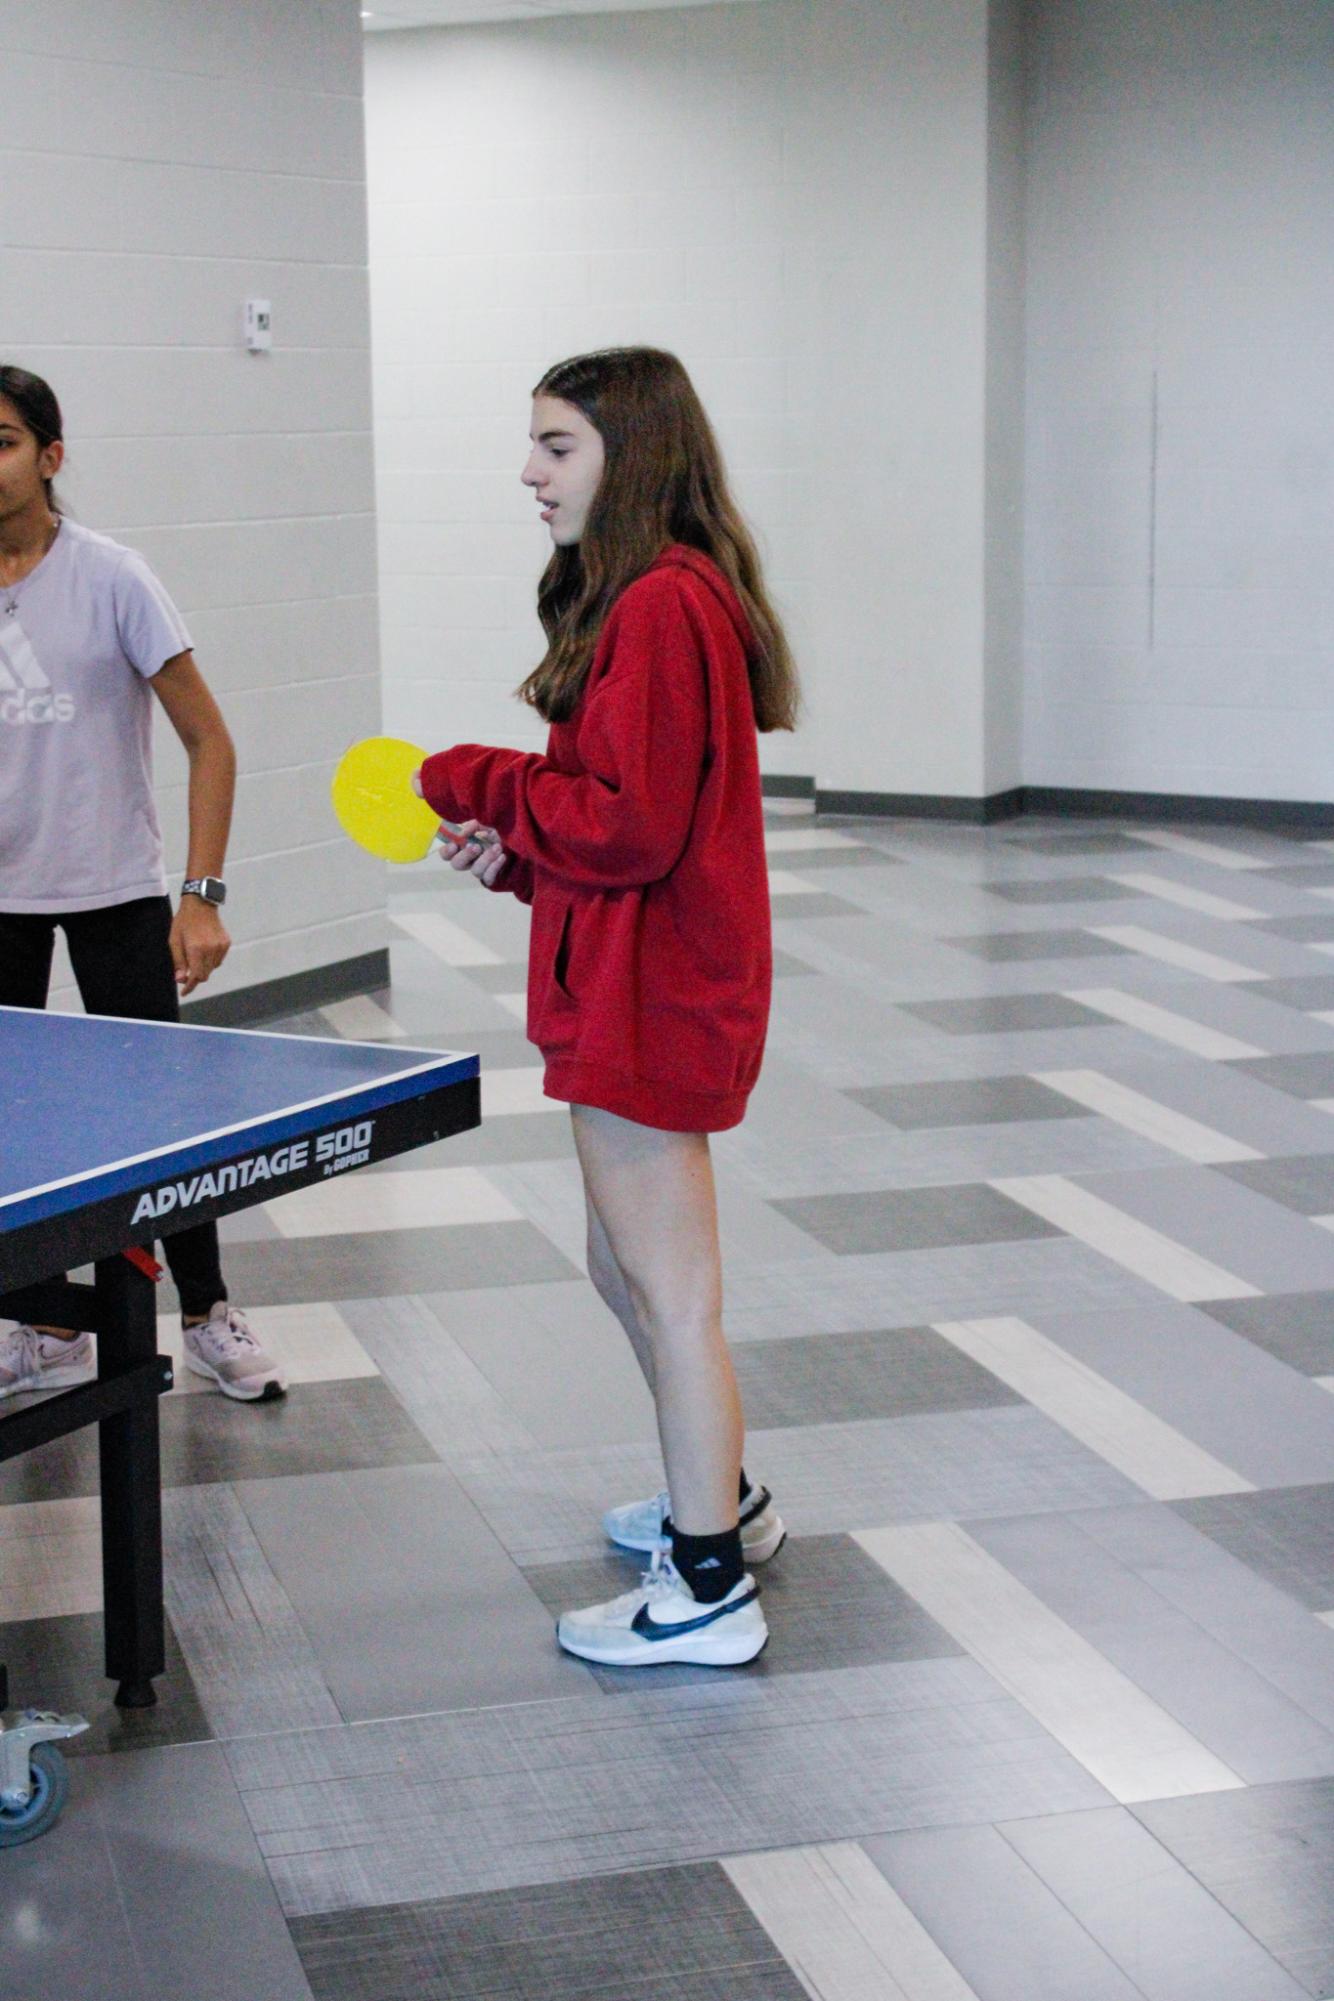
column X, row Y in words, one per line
column 50, row 1789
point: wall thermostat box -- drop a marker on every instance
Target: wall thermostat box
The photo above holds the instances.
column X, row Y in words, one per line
column 258, row 325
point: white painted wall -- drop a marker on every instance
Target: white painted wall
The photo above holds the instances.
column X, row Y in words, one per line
column 160, row 163
column 1180, row 574
column 795, row 198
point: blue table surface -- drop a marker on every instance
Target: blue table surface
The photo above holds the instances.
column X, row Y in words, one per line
column 81, row 1094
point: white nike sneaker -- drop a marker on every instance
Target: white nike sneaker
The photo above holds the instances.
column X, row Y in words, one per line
column 33, row 1361
column 224, row 1349
column 639, row 1525
column 664, row 1621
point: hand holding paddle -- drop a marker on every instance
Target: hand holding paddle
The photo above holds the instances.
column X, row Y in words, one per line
column 473, row 850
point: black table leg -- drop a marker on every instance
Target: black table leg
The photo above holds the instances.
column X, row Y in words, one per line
column 131, row 1490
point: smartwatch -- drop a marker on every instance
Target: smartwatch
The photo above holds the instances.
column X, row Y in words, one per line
column 211, row 887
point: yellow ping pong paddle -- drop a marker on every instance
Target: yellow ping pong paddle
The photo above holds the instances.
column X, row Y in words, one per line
column 375, row 803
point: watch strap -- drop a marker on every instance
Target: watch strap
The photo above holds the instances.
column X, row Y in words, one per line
column 211, row 888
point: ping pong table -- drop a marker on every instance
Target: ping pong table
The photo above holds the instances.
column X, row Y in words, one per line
column 115, row 1133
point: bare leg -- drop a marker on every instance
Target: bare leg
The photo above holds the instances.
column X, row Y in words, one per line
column 653, row 1195
column 609, row 1281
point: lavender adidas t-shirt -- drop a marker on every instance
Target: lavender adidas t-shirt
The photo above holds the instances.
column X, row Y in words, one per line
column 91, row 625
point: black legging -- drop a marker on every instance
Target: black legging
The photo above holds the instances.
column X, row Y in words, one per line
column 122, row 962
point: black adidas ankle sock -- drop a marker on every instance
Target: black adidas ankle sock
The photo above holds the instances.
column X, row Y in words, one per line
column 710, row 1564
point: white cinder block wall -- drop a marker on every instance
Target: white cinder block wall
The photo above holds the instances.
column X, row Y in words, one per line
column 792, row 196
column 160, row 164
column 1180, row 397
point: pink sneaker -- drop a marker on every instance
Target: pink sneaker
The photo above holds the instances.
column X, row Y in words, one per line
column 224, row 1349
column 33, row 1361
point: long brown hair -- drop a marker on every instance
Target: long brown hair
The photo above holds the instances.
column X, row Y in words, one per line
column 663, row 481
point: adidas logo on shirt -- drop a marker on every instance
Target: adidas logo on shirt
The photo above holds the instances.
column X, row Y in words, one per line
column 26, row 696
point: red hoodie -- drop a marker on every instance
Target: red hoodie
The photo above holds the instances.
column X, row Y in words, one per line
column 639, row 841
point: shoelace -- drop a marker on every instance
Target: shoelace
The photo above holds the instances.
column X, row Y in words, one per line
column 656, row 1582
column 26, row 1351
column 237, row 1336
column 660, row 1579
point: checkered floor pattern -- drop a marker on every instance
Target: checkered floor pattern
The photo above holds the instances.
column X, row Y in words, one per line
column 1029, row 1242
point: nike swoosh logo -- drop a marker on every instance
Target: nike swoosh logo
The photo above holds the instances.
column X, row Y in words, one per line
column 649, row 1628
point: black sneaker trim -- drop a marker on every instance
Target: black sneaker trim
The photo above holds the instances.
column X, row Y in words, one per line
column 648, row 1628
column 760, row 1499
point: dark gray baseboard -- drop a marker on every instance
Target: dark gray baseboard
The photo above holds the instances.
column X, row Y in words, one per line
column 777, row 785
column 292, row 994
column 1275, row 815
column 1280, row 815
column 921, row 805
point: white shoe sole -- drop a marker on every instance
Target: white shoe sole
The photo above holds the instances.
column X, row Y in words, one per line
column 52, row 1379
column 266, row 1391
column 708, row 1649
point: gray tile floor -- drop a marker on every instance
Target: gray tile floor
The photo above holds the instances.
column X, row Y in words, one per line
column 1048, row 1712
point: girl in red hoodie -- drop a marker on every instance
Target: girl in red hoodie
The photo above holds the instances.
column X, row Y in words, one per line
column 638, row 840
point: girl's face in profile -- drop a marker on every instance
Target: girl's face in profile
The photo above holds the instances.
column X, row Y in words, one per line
column 564, row 467
column 23, row 462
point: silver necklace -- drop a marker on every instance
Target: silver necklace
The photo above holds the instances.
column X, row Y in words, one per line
column 14, row 591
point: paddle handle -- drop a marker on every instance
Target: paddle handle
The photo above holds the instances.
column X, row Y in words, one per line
column 485, row 837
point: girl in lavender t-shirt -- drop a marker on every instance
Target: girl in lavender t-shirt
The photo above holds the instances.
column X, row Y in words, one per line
column 86, row 632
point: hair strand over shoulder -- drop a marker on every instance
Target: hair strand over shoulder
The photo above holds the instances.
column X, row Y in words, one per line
column 663, row 481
